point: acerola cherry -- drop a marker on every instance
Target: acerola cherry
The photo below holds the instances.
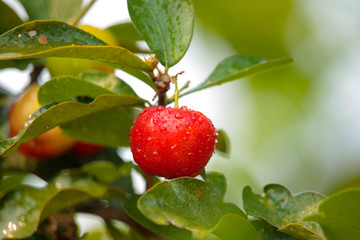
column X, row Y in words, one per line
column 172, row 142
column 51, row 143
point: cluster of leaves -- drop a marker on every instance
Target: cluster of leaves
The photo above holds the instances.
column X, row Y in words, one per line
column 100, row 108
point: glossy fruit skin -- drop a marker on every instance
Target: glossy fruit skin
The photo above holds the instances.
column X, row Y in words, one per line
column 49, row 144
column 74, row 66
column 172, row 142
column 83, row 149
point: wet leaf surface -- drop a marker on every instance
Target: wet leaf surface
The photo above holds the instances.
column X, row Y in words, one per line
column 165, row 25
column 280, row 208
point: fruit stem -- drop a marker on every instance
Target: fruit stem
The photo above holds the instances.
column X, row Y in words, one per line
column 76, row 19
column 172, row 98
column 176, row 96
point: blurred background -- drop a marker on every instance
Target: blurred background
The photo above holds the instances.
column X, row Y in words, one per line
column 298, row 126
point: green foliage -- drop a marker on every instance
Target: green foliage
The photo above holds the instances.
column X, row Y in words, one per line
column 165, row 25
column 339, row 215
column 238, row 66
column 285, row 211
column 51, row 9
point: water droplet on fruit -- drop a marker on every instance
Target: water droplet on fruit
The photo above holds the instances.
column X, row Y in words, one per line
column 160, row 108
column 149, row 138
column 190, row 153
column 138, row 149
column 185, row 138
column 201, row 120
column 184, row 107
column 155, row 152
column 173, row 147
column 156, row 120
column 178, row 116
column 163, row 129
column 188, row 133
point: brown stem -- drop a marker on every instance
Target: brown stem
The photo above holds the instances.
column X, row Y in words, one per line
column 35, row 73
column 162, row 99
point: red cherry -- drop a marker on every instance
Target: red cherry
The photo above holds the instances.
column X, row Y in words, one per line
column 172, row 142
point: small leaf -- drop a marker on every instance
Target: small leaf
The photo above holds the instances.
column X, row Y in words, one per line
column 280, row 208
column 66, row 88
column 236, row 67
column 223, row 142
column 21, row 211
column 339, row 215
column 47, row 117
column 39, row 39
column 169, row 231
column 165, row 25
column 51, row 9
column 127, row 36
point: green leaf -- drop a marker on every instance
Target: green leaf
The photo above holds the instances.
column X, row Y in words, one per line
column 165, row 25
column 280, row 208
column 223, row 142
column 65, row 88
column 339, row 215
column 8, row 18
column 51, row 9
column 15, row 180
column 47, row 117
column 21, row 211
column 39, row 39
column 233, row 226
column 108, row 128
column 106, row 172
column 170, row 231
column 188, row 203
column 236, row 67
column 127, row 36
column 269, row 232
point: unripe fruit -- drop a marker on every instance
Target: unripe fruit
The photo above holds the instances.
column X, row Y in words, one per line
column 74, row 66
column 51, row 143
column 172, row 142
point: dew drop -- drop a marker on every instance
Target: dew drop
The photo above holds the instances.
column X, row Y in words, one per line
column 178, row 116
column 155, row 153
column 184, row 107
column 149, row 138
column 188, row 133
column 173, row 147
column 190, row 153
column 138, row 149
column 19, row 35
column 201, row 120
column 156, row 120
column 163, row 129
column 32, row 33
